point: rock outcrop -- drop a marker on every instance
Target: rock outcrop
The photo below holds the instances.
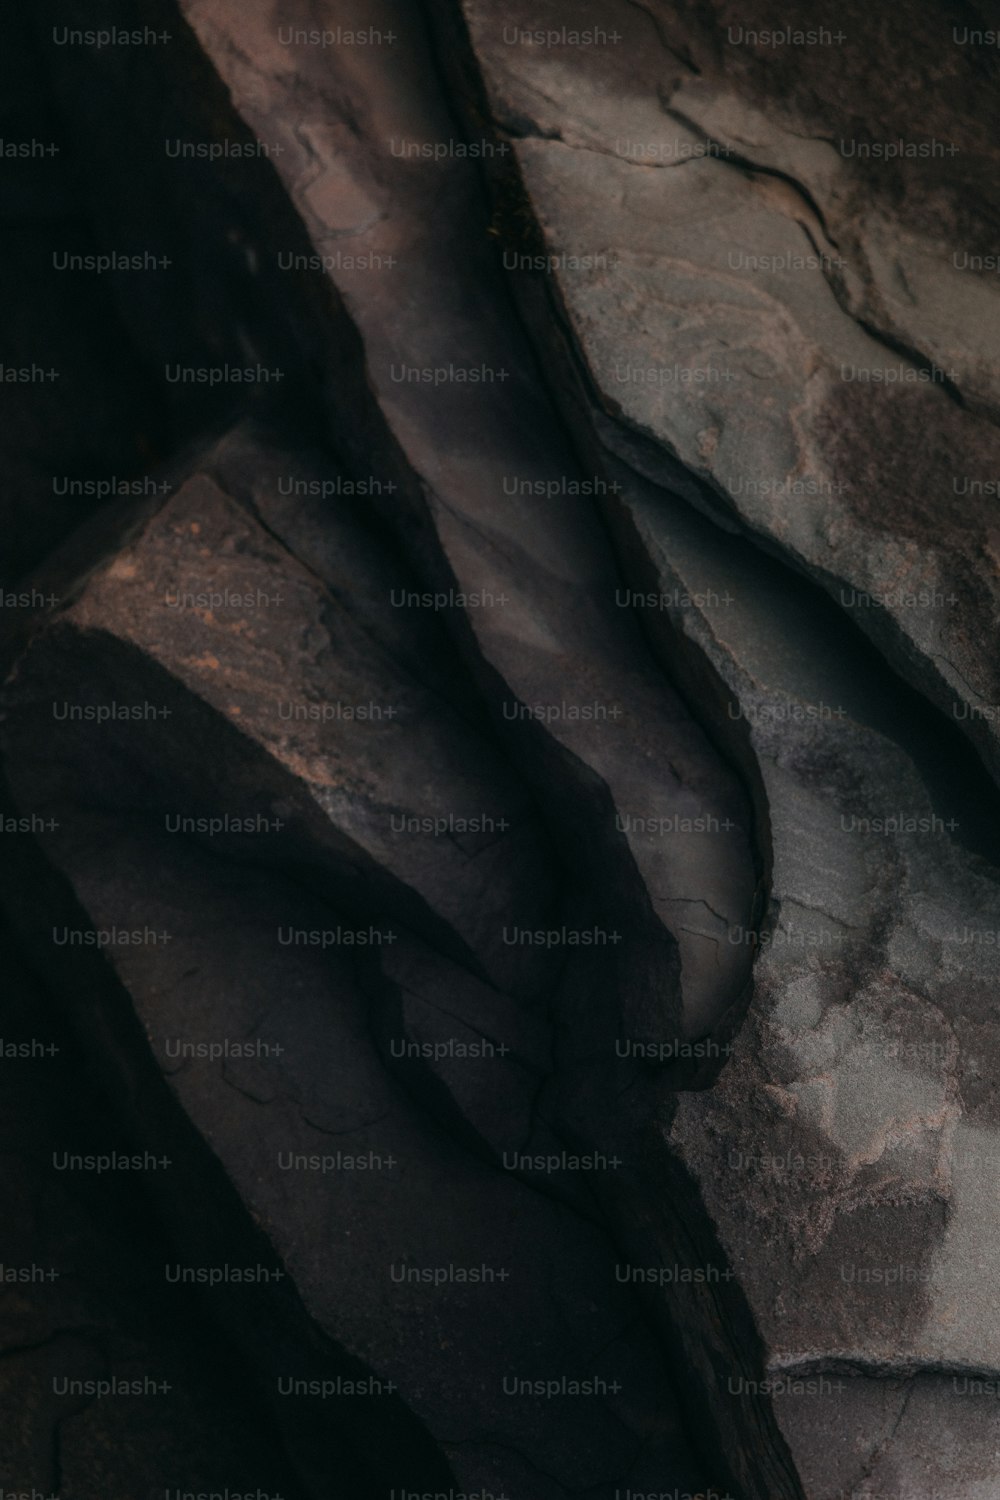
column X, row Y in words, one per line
column 501, row 796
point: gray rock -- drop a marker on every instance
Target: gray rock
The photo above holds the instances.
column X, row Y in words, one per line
column 752, row 304
column 847, row 1152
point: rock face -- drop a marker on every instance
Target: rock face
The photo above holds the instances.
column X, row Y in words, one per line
column 811, row 281
column 499, row 793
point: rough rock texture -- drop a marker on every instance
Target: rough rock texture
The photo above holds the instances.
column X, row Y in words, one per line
column 329, row 755
column 505, row 807
column 810, row 280
column 331, row 1131
column 479, row 452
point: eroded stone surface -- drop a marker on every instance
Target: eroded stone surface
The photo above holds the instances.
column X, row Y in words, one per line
column 848, row 1151
column 550, row 738
column 410, row 1250
column 324, row 749
column 756, row 305
column 509, row 514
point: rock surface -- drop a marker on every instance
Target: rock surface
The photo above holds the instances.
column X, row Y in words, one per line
column 750, row 328
column 502, row 804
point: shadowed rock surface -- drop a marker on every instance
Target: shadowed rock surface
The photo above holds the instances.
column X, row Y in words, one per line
column 502, row 804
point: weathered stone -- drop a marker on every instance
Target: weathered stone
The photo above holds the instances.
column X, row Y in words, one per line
column 847, row 1153
column 407, row 1249
column 492, row 499
column 754, row 311
column 580, row 737
column 318, row 751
